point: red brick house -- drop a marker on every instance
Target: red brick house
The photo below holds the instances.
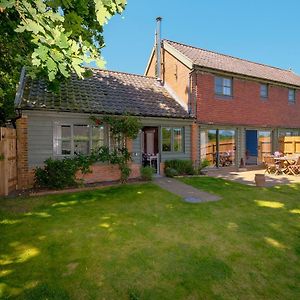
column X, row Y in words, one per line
column 242, row 107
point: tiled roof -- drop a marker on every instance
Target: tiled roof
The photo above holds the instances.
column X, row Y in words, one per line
column 105, row 92
column 213, row 60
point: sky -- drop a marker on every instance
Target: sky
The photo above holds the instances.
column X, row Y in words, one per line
column 262, row 31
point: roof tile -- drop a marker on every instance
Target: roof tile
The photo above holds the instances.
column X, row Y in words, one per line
column 222, row 62
column 105, row 92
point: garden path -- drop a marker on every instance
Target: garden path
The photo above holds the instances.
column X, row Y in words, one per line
column 187, row 192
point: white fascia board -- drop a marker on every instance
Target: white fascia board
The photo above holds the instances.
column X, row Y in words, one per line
column 182, row 58
column 149, row 61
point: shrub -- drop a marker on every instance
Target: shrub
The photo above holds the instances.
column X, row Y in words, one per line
column 183, row 167
column 61, row 173
column 147, row 173
column 203, row 164
column 57, row 174
column 170, row 172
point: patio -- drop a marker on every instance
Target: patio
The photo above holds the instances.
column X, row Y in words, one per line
column 247, row 177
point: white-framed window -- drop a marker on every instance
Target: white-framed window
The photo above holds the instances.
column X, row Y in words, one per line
column 292, row 96
column 72, row 139
column 172, row 139
column 264, row 90
column 223, row 86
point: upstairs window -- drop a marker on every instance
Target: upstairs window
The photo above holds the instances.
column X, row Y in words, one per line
column 264, row 91
column 223, row 86
column 292, row 96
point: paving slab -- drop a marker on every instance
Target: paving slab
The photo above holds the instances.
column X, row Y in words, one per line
column 247, row 177
column 187, row 192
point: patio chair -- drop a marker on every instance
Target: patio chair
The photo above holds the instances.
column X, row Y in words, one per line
column 281, row 168
column 295, row 168
column 270, row 164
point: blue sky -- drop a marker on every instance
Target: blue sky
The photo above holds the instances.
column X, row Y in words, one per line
column 263, row 31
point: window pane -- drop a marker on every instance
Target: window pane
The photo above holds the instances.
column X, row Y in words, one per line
column 178, row 140
column 81, row 139
column 223, row 86
column 264, row 90
column 97, row 137
column 219, row 89
column 208, row 146
column 226, row 147
column 166, row 138
column 264, row 144
column 227, row 82
column 292, row 95
column 64, row 141
column 227, row 91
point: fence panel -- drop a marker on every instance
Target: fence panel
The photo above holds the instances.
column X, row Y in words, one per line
column 8, row 161
column 289, row 144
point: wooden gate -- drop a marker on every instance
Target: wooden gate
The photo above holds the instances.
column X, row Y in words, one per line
column 8, row 161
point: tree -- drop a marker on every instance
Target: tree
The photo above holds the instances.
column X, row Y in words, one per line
column 52, row 38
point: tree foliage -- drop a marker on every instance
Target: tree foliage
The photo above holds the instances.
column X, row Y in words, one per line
column 52, row 38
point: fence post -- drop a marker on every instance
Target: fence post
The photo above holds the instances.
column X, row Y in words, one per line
column 3, row 165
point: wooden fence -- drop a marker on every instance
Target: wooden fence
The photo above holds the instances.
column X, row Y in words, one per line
column 8, row 161
column 289, row 144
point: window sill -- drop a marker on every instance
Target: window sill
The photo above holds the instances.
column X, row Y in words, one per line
column 223, row 97
column 173, row 152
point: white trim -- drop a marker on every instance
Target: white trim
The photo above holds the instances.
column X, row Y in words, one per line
column 175, row 96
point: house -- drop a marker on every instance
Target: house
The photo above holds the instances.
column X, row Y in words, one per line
column 59, row 125
column 242, row 108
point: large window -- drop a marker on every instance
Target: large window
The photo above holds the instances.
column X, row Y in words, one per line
column 172, row 139
column 75, row 139
column 223, row 86
column 218, row 147
column 292, row 96
column 264, row 91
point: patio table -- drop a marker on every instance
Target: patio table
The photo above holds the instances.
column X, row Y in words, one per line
column 286, row 161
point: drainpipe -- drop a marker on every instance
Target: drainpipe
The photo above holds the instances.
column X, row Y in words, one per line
column 190, row 111
column 158, row 48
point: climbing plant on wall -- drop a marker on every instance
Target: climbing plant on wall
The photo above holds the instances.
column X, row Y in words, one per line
column 121, row 128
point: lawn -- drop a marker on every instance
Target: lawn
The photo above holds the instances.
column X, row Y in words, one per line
column 141, row 242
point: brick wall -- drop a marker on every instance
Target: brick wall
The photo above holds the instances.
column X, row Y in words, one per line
column 246, row 106
column 106, row 172
column 100, row 173
column 22, row 153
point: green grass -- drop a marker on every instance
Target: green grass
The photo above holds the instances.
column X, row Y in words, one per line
column 140, row 242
